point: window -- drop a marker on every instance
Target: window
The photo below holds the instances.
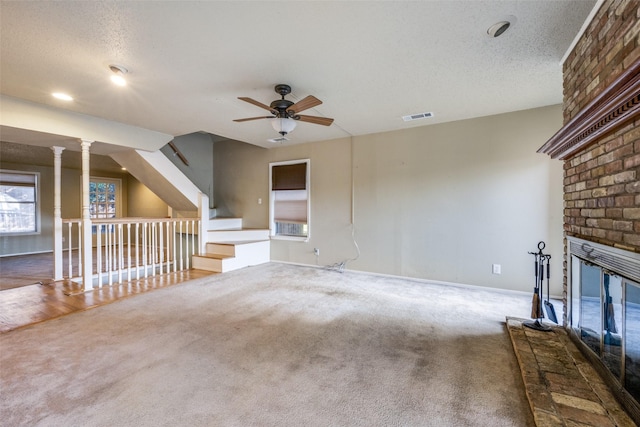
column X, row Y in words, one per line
column 19, row 209
column 104, row 198
column 289, row 199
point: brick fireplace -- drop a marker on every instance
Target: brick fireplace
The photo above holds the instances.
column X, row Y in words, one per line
column 599, row 144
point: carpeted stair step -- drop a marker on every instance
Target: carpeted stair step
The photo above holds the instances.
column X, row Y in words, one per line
column 228, row 256
column 238, row 235
column 220, row 223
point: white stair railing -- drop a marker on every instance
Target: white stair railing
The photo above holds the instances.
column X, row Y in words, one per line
column 126, row 249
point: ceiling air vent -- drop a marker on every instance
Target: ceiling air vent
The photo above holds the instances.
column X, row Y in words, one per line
column 278, row 140
column 417, row 116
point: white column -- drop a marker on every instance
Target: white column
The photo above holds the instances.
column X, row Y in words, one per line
column 57, row 213
column 87, row 246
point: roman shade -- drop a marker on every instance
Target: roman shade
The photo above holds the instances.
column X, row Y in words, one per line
column 290, row 206
column 16, row 178
column 289, row 177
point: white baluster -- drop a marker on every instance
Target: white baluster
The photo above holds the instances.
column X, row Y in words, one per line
column 110, row 253
column 168, row 228
column 181, row 253
column 80, row 231
column 161, row 247
column 105, row 264
column 120, row 253
column 99, row 253
column 69, row 248
column 128, row 252
column 186, row 235
column 154, row 248
column 175, row 253
column 137, row 251
column 193, row 237
column 145, row 249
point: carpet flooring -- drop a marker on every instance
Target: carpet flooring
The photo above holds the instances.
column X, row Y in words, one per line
column 273, row 345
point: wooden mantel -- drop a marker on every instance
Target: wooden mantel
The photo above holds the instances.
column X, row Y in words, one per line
column 617, row 105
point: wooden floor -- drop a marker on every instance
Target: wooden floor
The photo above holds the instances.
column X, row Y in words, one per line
column 21, row 270
column 34, row 303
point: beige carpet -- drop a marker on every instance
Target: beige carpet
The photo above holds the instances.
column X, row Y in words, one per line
column 273, row 345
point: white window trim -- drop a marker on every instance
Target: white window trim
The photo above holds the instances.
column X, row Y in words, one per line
column 37, row 203
column 118, row 183
column 272, row 224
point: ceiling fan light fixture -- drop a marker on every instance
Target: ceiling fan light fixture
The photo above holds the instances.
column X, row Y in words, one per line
column 283, row 125
column 118, row 75
column 279, row 139
column 284, row 113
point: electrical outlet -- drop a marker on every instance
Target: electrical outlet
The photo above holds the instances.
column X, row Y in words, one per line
column 316, row 251
column 497, row 269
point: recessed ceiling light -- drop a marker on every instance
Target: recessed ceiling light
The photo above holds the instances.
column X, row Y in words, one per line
column 118, row 74
column 62, row 96
column 497, row 29
column 500, row 27
column 124, row 169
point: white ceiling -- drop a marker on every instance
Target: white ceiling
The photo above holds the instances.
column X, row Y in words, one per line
column 370, row 62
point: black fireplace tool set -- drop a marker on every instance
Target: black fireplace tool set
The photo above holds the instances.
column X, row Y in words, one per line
column 542, row 260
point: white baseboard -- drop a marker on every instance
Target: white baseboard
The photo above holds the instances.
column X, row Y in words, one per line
column 26, row 253
column 417, row 279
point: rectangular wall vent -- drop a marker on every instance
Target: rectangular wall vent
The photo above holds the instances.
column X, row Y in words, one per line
column 417, row 116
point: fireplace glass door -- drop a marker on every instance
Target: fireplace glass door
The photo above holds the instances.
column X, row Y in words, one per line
column 612, row 323
column 605, row 313
column 590, row 308
column 632, row 339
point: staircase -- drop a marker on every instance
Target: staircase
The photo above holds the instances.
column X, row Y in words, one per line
column 230, row 247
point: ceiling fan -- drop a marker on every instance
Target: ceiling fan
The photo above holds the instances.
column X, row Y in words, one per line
column 286, row 111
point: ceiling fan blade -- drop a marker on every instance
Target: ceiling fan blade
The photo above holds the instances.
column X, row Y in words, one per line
column 256, row 103
column 253, row 118
column 324, row 121
column 305, row 103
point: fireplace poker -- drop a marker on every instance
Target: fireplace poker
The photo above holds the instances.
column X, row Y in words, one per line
column 549, row 308
column 536, row 303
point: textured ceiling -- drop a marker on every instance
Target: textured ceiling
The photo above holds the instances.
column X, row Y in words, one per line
column 370, row 62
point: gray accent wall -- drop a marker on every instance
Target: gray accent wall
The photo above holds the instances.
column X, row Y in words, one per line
column 197, row 148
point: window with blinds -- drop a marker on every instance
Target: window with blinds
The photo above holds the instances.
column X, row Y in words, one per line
column 18, row 202
column 289, row 199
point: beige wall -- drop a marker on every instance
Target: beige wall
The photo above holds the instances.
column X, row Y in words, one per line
column 441, row 202
column 143, row 202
